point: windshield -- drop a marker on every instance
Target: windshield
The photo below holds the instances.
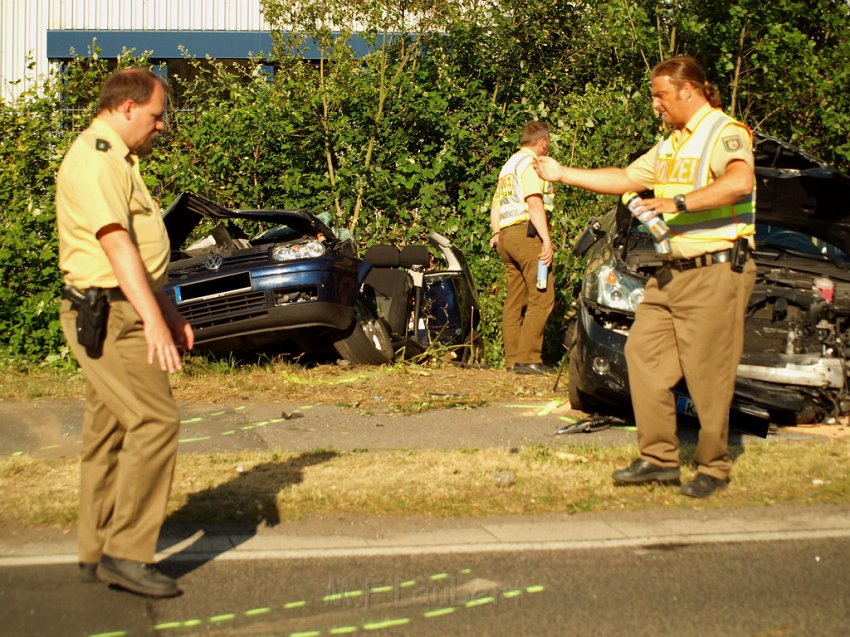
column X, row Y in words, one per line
column 798, row 243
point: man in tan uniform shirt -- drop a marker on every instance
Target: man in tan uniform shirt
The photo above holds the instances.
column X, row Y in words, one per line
column 691, row 321
column 112, row 238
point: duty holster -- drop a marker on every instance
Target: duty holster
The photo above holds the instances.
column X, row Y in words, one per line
column 740, row 254
column 92, row 305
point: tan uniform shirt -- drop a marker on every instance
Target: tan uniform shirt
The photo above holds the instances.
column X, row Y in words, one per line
column 99, row 184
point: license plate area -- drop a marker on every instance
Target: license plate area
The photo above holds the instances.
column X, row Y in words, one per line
column 213, row 288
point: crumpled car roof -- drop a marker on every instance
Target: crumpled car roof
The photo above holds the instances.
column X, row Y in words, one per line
column 187, row 211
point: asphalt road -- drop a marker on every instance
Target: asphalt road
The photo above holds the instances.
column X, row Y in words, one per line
column 777, row 588
column 768, row 572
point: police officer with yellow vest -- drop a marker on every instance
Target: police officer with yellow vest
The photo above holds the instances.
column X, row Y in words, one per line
column 520, row 232
column 691, row 321
column 124, row 332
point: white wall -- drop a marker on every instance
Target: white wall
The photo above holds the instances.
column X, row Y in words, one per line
column 190, row 15
column 24, row 25
column 23, row 32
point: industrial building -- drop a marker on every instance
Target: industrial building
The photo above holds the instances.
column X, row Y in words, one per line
column 36, row 36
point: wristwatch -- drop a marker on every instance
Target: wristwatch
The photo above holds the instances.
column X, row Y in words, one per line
column 679, row 200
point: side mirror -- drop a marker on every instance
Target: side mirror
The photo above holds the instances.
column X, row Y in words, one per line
column 592, row 233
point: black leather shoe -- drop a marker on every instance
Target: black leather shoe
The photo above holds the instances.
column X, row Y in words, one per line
column 532, row 368
column 144, row 579
column 642, row 471
column 703, row 486
column 88, row 572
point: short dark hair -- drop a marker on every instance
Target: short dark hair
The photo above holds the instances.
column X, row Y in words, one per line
column 683, row 68
column 533, row 132
column 136, row 84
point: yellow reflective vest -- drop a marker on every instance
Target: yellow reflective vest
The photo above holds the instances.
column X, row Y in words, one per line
column 510, row 194
column 679, row 170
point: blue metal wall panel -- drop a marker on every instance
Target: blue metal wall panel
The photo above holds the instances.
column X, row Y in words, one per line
column 166, row 44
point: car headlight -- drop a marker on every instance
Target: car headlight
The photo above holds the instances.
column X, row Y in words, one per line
column 616, row 290
column 300, row 251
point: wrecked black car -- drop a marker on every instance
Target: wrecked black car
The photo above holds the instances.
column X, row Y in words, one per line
column 292, row 279
column 794, row 368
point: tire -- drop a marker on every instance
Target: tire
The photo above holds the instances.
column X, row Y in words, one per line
column 578, row 399
column 367, row 341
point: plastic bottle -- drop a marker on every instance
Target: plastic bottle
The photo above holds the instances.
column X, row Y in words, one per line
column 656, row 225
column 542, row 274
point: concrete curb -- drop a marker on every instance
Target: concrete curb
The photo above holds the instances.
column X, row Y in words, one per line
column 645, row 529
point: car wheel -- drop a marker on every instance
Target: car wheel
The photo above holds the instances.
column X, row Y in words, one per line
column 578, row 399
column 367, row 341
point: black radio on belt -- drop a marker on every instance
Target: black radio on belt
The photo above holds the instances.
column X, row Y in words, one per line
column 92, row 305
column 740, row 253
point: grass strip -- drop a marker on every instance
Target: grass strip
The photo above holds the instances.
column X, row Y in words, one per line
column 274, row 486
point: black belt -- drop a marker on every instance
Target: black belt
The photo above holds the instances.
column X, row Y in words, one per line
column 703, row 260
column 76, row 296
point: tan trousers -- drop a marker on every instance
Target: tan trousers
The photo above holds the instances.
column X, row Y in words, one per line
column 130, row 435
column 694, row 328
column 526, row 308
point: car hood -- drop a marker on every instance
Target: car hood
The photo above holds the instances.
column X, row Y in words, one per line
column 801, row 192
column 187, row 211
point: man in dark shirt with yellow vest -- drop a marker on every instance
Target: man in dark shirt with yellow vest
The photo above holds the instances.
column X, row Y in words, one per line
column 520, row 232
column 124, row 332
column 691, row 321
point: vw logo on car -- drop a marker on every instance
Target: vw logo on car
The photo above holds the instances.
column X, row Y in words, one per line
column 214, row 263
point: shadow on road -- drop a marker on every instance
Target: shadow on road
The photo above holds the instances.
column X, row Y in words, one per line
column 239, row 507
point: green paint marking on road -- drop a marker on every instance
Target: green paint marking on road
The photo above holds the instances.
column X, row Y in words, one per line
column 222, row 618
column 438, row 576
column 465, row 571
column 567, row 419
column 439, row 612
column 228, row 433
column 217, row 413
column 240, row 408
column 189, row 421
column 168, row 625
column 343, row 630
column 551, row 406
column 308, row 633
column 338, row 596
column 407, row 583
column 381, row 589
column 191, row 623
column 50, row 447
column 117, row 633
column 513, row 593
column 535, row 589
column 257, row 611
column 481, row 601
column 198, row 439
column 387, row 623
column 17, row 453
column 299, row 604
